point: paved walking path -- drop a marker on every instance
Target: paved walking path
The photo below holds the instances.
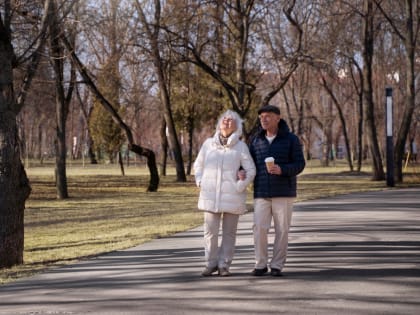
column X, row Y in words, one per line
column 352, row 254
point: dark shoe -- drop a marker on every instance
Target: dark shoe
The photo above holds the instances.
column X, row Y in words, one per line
column 223, row 272
column 208, row 271
column 259, row 272
column 276, row 272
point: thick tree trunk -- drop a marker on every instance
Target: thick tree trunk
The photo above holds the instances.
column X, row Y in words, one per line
column 14, row 190
column 410, row 96
column 61, row 148
column 369, row 113
column 60, row 169
column 14, row 184
column 62, row 106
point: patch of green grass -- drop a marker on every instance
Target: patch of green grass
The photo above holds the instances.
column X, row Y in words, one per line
column 107, row 211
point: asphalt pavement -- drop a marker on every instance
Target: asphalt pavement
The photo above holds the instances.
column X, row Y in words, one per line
column 351, row 254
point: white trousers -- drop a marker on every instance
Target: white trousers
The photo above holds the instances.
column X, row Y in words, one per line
column 214, row 256
column 280, row 210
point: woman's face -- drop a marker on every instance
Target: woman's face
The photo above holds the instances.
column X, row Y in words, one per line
column 227, row 126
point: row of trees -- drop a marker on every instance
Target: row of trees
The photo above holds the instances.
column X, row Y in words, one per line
column 145, row 72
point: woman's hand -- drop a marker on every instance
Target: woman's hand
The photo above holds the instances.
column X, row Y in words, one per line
column 241, row 174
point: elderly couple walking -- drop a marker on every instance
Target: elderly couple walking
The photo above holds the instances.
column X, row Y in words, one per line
column 225, row 166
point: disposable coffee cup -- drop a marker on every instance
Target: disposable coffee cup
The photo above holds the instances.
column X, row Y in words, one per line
column 269, row 162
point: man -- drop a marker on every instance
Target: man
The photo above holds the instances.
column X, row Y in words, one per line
column 274, row 187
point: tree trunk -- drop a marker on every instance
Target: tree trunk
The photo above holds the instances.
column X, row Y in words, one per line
column 14, row 184
column 60, row 166
column 164, row 141
column 172, row 135
column 360, row 134
column 151, row 164
column 14, row 188
column 121, row 162
column 326, row 146
column 61, row 147
column 91, row 152
column 410, row 96
column 152, row 33
column 62, row 107
column 190, row 132
column 369, row 113
column 343, row 123
column 89, row 141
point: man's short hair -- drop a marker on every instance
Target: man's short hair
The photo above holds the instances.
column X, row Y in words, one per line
column 269, row 109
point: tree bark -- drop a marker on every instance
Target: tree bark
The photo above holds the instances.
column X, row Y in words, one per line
column 62, row 107
column 409, row 40
column 14, row 184
column 359, row 146
column 164, row 142
column 369, row 113
column 190, row 133
column 408, row 36
column 89, row 141
column 121, row 163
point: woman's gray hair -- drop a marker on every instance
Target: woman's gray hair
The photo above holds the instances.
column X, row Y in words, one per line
column 236, row 117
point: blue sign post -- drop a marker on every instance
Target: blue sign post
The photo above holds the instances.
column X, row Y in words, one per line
column 389, row 141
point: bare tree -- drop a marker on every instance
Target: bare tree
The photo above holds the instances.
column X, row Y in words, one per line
column 106, row 134
column 62, row 99
column 356, row 76
column 86, row 113
column 298, row 100
column 14, row 184
column 369, row 108
column 339, row 108
column 221, row 40
column 152, row 33
column 149, row 154
column 406, row 25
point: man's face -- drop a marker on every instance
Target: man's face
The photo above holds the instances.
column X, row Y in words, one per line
column 269, row 121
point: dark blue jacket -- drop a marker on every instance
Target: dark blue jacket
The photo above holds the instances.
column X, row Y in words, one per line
column 287, row 152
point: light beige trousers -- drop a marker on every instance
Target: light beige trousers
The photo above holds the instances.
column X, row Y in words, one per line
column 280, row 210
column 219, row 257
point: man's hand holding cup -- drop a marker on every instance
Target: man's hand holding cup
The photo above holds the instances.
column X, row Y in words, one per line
column 271, row 167
column 269, row 163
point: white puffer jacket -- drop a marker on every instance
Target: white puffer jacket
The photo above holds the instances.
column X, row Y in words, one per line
column 216, row 173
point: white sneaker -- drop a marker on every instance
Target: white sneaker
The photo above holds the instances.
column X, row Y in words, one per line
column 223, row 272
column 208, row 271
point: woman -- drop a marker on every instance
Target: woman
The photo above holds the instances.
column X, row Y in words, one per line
column 222, row 193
